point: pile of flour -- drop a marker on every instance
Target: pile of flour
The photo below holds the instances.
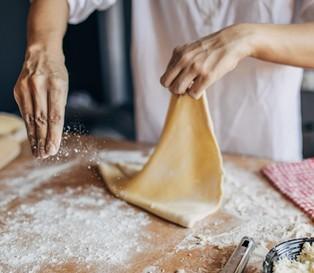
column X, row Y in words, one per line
column 79, row 225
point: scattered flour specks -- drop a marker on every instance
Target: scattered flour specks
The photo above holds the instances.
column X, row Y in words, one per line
column 79, row 225
column 151, row 269
column 28, row 180
column 257, row 210
column 115, row 156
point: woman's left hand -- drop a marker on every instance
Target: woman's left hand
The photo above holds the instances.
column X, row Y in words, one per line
column 196, row 66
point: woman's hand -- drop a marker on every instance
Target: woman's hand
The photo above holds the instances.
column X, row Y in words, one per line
column 41, row 92
column 196, row 66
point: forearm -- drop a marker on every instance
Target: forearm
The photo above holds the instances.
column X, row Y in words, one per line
column 47, row 24
column 284, row 44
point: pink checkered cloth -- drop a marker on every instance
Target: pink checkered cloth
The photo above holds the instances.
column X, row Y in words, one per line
column 295, row 181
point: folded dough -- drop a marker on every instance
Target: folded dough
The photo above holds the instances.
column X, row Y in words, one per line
column 182, row 180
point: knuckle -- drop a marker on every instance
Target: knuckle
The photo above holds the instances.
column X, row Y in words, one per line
column 20, row 86
column 17, row 93
column 58, row 83
column 204, row 73
column 34, row 84
column 176, row 50
column 172, row 89
column 184, row 58
column 55, row 118
column 40, row 119
column 163, row 80
column 35, row 78
column 29, row 119
column 196, row 67
column 31, row 136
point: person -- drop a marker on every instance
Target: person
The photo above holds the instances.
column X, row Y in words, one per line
column 246, row 55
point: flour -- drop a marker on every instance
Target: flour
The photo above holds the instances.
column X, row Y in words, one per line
column 79, row 224
column 88, row 228
column 114, row 156
column 27, row 179
column 71, row 135
column 151, row 269
column 304, row 263
column 257, row 211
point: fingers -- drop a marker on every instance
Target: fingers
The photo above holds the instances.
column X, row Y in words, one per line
column 196, row 66
column 177, row 63
column 40, row 112
column 56, row 109
column 198, row 87
column 43, row 112
column 186, row 66
column 184, row 80
column 25, row 104
column 40, row 93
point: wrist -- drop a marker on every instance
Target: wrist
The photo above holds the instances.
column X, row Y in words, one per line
column 45, row 41
column 248, row 37
column 51, row 50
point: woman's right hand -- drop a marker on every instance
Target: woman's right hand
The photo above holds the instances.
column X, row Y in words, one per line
column 41, row 94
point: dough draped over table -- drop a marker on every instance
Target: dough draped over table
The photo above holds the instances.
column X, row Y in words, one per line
column 182, row 180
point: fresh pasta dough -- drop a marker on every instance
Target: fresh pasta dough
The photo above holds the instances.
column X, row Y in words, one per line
column 182, row 180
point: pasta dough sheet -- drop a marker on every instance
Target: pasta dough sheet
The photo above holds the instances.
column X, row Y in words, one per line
column 182, row 180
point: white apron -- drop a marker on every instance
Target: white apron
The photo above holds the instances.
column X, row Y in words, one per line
column 255, row 108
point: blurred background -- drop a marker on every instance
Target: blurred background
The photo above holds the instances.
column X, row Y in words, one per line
column 100, row 95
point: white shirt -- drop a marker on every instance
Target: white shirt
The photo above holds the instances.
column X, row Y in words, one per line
column 255, row 108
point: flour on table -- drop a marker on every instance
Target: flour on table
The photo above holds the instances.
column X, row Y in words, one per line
column 79, row 225
column 116, row 156
column 151, row 269
column 257, row 210
column 27, row 179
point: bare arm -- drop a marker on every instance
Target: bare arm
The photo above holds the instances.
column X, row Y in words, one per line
column 285, row 44
column 196, row 66
column 41, row 89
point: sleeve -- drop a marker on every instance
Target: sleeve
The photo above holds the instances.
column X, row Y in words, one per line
column 306, row 11
column 79, row 10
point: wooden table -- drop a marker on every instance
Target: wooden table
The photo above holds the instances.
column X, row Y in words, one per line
column 162, row 256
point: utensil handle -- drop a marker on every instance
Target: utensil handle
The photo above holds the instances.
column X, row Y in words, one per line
column 240, row 257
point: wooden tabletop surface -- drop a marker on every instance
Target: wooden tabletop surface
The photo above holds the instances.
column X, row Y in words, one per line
column 161, row 256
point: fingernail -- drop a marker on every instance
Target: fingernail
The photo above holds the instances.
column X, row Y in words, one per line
column 51, row 149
